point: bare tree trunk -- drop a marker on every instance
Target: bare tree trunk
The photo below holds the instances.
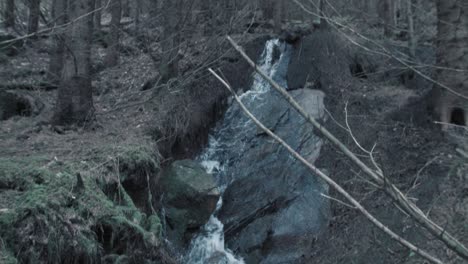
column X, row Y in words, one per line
column 98, row 16
column 112, row 56
column 323, row 20
column 267, row 9
column 412, row 42
column 59, row 16
column 154, row 12
column 34, row 13
column 386, row 12
column 137, row 17
column 206, row 16
column 452, row 51
column 171, row 13
column 9, row 13
column 75, row 95
column 126, row 8
column 279, row 14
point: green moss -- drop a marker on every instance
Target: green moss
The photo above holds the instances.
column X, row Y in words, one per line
column 50, row 214
column 7, row 257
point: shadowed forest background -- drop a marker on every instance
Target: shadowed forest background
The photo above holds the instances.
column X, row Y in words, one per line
column 107, row 108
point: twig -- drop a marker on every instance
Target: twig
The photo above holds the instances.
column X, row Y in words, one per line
column 338, row 201
column 327, row 179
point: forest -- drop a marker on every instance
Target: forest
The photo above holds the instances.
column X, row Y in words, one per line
column 233, row 131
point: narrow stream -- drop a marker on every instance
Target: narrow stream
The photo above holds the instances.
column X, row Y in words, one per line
column 231, row 134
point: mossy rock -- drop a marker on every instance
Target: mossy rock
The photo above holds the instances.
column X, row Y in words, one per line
column 191, row 195
column 55, row 212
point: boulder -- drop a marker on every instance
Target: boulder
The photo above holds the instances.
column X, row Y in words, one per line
column 190, row 195
column 273, row 210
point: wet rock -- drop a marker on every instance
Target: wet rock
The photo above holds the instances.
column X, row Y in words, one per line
column 273, row 210
column 191, row 195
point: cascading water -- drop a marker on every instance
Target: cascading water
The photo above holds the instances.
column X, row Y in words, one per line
column 233, row 133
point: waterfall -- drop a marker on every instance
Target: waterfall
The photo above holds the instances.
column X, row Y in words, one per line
column 232, row 133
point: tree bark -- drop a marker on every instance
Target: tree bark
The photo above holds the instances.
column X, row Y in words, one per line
column 386, row 12
column 171, row 13
column 126, row 8
column 154, row 12
column 137, row 17
column 278, row 14
column 75, row 96
column 267, row 9
column 98, row 16
column 59, row 16
column 112, row 56
column 452, row 53
column 412, row 42
column 34, row 14
column 9, row 14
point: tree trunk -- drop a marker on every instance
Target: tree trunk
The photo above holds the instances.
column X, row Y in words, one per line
column 412, row 41
column 75, row 97
column 386, row 12
column 126, row 8
column 279, row 14
column 112, row 56
column 9, row 13
column 34, row 13
column 267, row 9
column 98, row 16
column 321, row 11
column 452, row 53
column 59, row 16
column 137, row 17
column 171, row 13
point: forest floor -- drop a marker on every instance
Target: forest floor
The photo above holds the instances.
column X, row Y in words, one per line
column 429, row 166
column 414, row 154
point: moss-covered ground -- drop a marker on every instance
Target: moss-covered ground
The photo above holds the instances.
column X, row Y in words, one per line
column 76, row 212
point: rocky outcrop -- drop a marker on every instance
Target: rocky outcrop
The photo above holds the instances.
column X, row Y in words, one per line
column 190, row 196
column 273, row 210
column 320, row 61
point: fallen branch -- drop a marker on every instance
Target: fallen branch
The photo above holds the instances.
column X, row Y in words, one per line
column 327, row 179
column 399, row 198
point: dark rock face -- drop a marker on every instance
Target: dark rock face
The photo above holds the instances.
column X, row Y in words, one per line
column 273, row 210
column 319, row 61
column 12, row 104
column 191, row 195
column 293, row 32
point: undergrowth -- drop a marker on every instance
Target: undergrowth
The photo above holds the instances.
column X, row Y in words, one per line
column 57, row 212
